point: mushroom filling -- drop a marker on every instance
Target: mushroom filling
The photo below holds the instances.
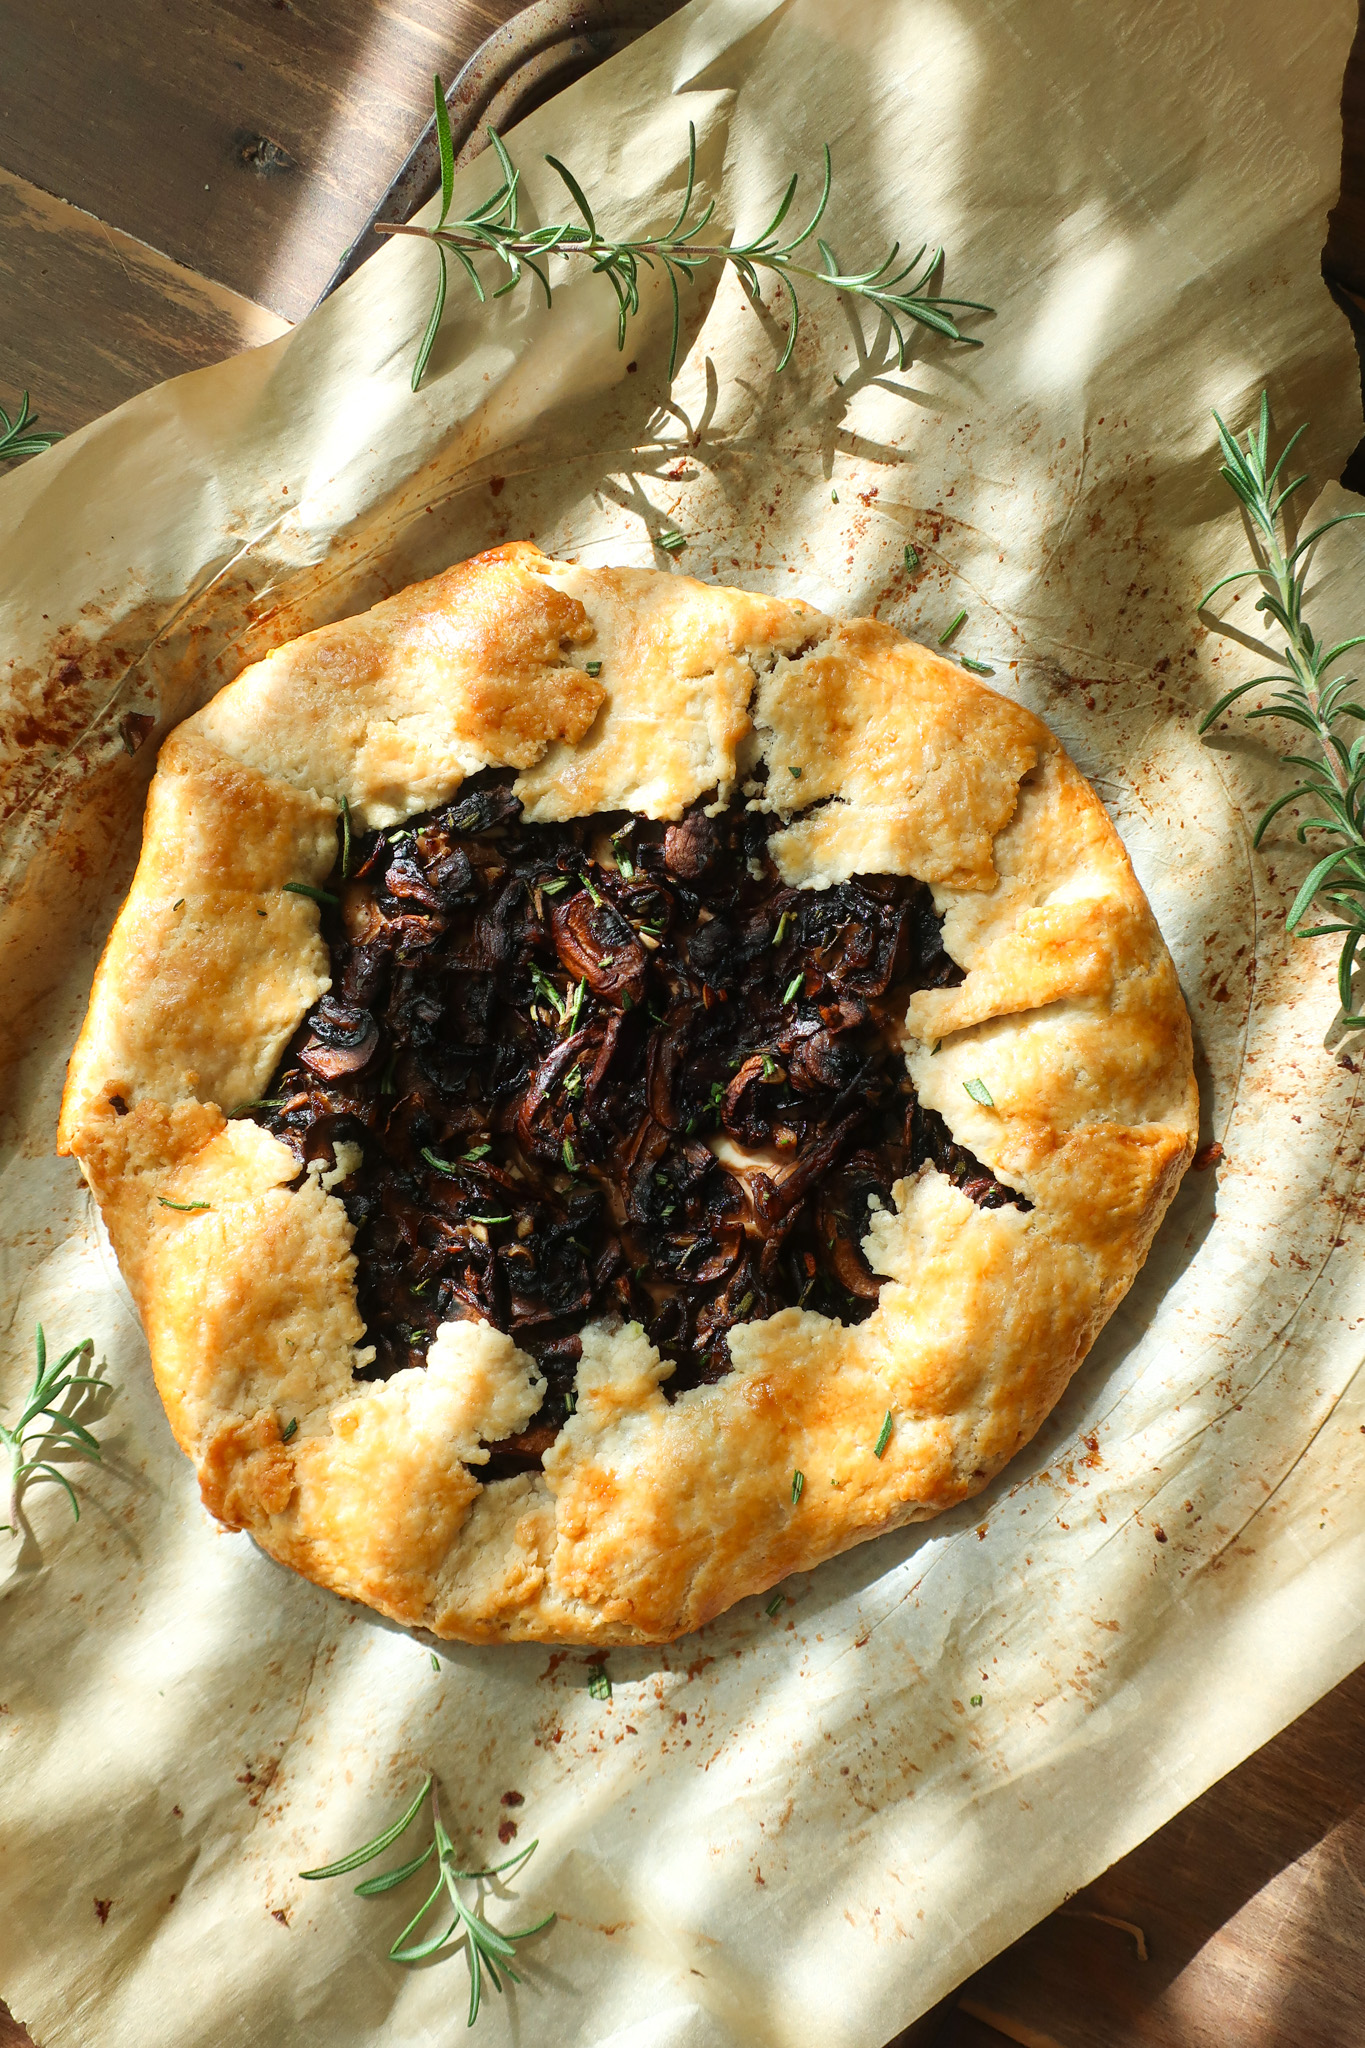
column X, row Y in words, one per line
column 610, row 1068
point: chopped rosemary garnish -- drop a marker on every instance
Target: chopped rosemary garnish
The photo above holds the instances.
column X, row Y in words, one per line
column 435, row 1661
column 23, row 436
column 493, row 229
column 179, row 903
column 586, row 880
column 167, row 1203
column 57, row 1430
column 946, row 635
column 783, row 924
column 307, row 889
column 568, row 1157
column 911, row 559
column 488, row 1219
column 599, row 1685
column 487, row 1951
column 774, row 1604
column 478, row 1151
column 441, row 1165
column 266, row 1102
column 345, row 837
column 883, row 1436
column 979, row 1092
column 796, row 772
column 593, row 668
column 978, row 668
column 834, row 497
column 289, row 1429
column 798, row 1486
column 1334, row 778
column 553, row 888
column 793, row 985
column 549, row 991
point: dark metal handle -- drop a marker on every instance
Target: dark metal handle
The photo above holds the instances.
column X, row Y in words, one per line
column 520, row 66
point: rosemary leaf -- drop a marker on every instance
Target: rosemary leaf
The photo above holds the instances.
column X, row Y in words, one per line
column 307, row 889
column 671, row 541
column 46, row 1426
column 492, row 232
column 883, row 1437
column 979, row 1092
column 1332, row 779
column 798, row 1486
column 188, row 1207
column 599, row 1685
column 946, row 635
column 22, row 435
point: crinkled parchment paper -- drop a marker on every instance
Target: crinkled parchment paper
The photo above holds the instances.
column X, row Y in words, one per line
column 795, row 1828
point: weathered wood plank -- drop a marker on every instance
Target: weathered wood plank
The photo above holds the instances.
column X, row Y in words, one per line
column 92, row 316
column 1251, row 1905
column 246, row 138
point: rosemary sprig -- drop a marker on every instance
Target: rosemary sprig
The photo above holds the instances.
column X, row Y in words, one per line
column 1309, row 697
column 22, row 435
column 487, row 1950
column 494, row 228
column 44, row 1424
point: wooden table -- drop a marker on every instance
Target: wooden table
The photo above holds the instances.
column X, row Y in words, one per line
column 177, row 182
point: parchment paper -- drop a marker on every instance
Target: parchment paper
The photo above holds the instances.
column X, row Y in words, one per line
column 795, row 1828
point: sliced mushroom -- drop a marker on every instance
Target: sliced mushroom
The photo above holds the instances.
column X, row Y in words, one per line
column 692, row 846
column 597, row 945
column 343, row 1040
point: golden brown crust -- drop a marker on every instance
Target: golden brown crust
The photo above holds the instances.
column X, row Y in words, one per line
column 649, row 1517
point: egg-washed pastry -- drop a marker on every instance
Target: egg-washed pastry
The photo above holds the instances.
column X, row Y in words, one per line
column 607, row 1091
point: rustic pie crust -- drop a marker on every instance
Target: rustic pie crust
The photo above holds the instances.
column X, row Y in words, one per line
column 1050, row 1049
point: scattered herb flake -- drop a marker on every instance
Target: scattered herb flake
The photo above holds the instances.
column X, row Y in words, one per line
column 593, row 668
column 588, row 885
column 798, row 1486
column 345, row 837
column 435, row 1661
column 671, row 540
column 780, row 934
column 884, row 1437
column 290, row 1429
column 441, row 1165
column 794, row 771
column 911, row 559
column 946, row 635
column 976, row 1699
column 979, row 1092
column 477, row 1151
column 266, row 1102
column 569, row 1159
column 978, row 668
column 489, row 1219
column 179, row 904
column 774, row 1604
column 834, row 497
column 599, row 1685
column 167, row 1203
column 793, row 985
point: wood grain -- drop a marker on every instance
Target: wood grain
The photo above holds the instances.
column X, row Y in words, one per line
column 92, row 316
column 247, row 139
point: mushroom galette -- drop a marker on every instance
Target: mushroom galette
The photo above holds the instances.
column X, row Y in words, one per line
column 608, row 1090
